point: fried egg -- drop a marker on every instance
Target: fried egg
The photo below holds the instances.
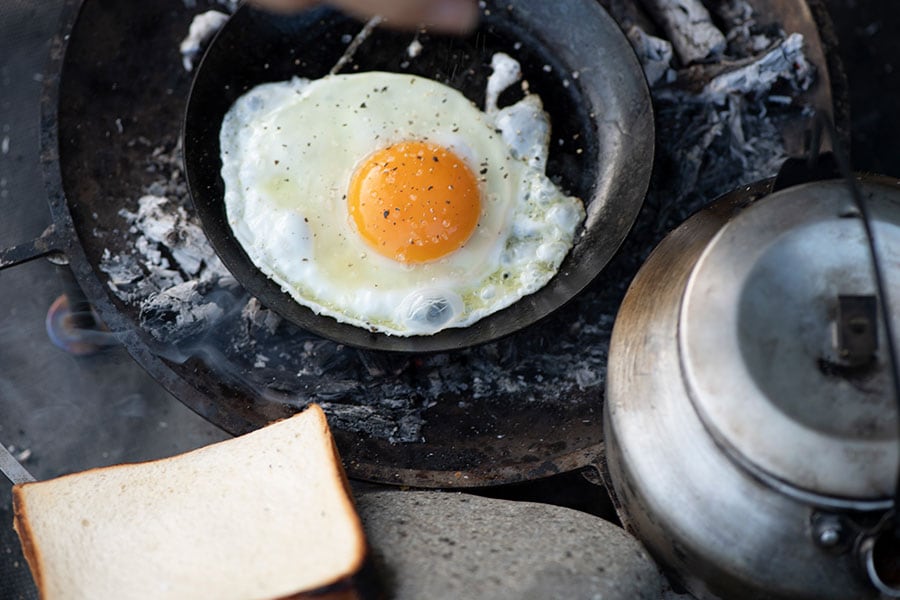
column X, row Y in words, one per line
column 392, row 202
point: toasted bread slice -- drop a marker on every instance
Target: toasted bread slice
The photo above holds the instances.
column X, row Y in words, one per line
column 263, row 516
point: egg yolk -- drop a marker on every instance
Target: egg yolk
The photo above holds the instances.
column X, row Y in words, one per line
column 414, row 201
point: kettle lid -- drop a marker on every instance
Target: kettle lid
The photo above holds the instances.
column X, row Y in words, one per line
column 781, row 343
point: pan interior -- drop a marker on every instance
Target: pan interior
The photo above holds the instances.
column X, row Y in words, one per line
column 255, row 47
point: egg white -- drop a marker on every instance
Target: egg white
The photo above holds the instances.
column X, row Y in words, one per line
column 289, row 150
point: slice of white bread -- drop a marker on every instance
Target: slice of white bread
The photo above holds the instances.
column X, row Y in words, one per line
column 262, row 516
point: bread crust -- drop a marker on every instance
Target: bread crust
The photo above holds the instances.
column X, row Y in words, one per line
column 26, row 536
column 362, row 585
column 361, row 550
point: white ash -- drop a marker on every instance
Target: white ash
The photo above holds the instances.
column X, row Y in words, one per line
column 171, row 269
column 587, row 378
column 169, row 226
column 655, row 54
column 784, row 62
column 181, row 310
column 122, row 269
column 689, row 27
column 202, row 29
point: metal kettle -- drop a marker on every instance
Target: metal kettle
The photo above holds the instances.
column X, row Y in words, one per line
column 750, row 423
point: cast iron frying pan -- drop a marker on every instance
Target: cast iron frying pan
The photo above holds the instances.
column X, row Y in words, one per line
column 572, row 54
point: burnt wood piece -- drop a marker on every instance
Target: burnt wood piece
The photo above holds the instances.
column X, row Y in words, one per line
column 689, row 27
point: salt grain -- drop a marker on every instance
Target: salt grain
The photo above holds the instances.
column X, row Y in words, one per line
column 414, row 48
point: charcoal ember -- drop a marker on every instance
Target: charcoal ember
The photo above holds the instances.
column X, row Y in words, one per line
column 257, row 316
column 326, row 390
column 745, row 35
column 378, row 364
column 324, row 357
column 450, row 381
column 405, row 427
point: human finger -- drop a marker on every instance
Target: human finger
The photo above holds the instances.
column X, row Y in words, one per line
column 448, row 16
